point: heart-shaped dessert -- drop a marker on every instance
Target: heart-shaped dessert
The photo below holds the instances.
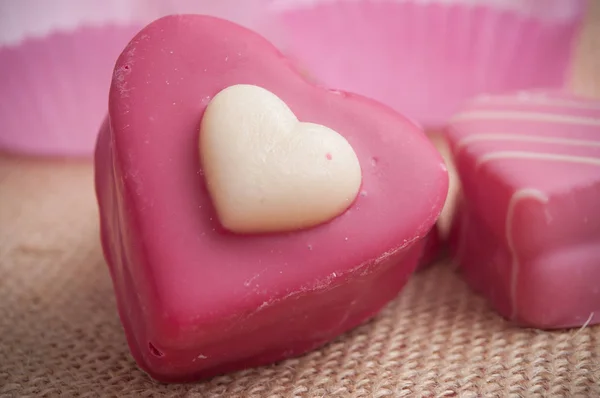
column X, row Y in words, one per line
column 266, row 171
column 195, row 298
column 527, row 231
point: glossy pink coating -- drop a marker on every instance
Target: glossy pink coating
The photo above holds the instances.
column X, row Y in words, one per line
column 196, row 301
column 527, row 232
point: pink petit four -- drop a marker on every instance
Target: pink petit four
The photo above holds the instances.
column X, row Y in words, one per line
column 247, row 215
column 527, row 230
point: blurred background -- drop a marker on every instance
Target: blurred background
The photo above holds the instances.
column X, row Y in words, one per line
column 421, row 57
column 59, row 330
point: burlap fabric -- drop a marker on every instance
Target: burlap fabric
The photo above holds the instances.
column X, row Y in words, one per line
column 60, row 334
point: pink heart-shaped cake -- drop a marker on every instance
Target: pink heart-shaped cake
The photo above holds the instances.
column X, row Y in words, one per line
column 207, row 127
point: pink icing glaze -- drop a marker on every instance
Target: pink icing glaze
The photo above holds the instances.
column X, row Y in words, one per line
column 196, row 301
column 527, row 234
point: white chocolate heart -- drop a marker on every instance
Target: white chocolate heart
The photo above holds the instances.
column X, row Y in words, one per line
column 268, row 172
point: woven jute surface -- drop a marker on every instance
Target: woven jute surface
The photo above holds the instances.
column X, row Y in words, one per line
column 60, row 334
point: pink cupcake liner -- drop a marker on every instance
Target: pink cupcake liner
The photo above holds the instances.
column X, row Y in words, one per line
column 56, row 88
column 425, row 57
column 56, row 61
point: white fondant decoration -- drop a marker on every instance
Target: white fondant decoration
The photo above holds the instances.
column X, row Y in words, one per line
column 268, row 172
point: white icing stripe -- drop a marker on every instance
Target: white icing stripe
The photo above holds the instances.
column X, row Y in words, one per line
column 516, row 198
column 525, row 138
column 525, row 98
column 525, row 116
column 537, row 156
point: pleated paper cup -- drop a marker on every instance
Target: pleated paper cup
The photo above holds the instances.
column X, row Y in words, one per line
column 56, row 61
column 425, row 57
